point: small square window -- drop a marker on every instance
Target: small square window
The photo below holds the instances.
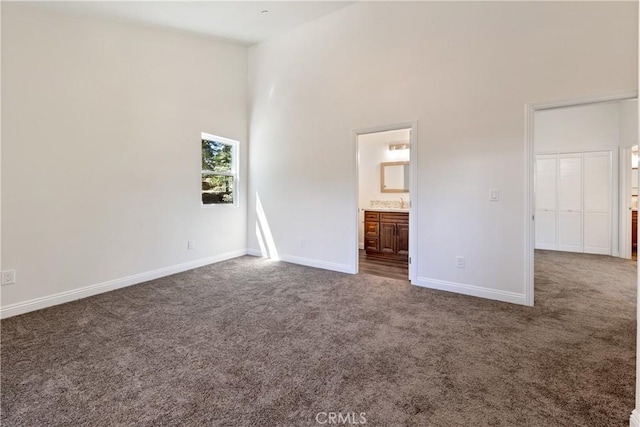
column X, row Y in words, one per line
column 219, row 170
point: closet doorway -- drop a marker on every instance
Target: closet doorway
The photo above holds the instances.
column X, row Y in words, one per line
column 579, row 193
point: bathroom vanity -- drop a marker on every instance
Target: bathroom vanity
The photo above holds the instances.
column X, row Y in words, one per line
column 386, row 234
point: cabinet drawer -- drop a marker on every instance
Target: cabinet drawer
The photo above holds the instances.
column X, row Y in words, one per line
column 397, row 217
column 370, row 245
column 371, row 229
column 371, row 216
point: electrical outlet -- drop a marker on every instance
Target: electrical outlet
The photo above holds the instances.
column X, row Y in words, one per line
column 460, row 261
column 494, row 195
column 8, row 277
column 303, row 243
column 190, row 244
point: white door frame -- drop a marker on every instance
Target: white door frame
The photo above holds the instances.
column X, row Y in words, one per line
column 413, row 191
column 530, row 110
column 625, row 202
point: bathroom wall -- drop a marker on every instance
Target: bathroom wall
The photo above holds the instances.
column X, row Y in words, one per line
column 373, row 149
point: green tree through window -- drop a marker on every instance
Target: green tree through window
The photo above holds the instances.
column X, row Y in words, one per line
column 218, row 174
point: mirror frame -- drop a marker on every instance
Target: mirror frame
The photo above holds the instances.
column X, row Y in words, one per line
column 382, row 186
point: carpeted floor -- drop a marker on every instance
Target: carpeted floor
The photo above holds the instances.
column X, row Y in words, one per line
column 249, row 342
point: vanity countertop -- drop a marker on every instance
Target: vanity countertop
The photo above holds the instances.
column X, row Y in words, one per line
column 386, row 209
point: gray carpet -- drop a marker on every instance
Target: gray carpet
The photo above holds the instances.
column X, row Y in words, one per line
column 249, row 342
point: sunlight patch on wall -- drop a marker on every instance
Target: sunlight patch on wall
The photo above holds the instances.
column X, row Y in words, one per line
column 263, row 248
column 263, row 232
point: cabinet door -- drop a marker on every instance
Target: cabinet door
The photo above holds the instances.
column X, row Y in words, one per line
column 387, row 238
column 570, row 203
column 546, row 199
column 403, row 239
column 597, row 203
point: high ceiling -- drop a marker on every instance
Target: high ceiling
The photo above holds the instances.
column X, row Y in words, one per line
column 240, row 22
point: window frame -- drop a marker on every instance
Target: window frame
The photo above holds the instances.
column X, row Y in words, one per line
column 233, row 173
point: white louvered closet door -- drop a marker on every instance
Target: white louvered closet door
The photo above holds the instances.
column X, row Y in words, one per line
column 570, row 203
column 597, row 203
column 546, row 198
column 573, row 202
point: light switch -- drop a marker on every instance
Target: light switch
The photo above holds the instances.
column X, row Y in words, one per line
column 494, row 195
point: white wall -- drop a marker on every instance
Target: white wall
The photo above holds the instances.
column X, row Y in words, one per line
column 464, row 71
column 101, row 150
column 629, row 123
column 592, row 127
column 373, row 149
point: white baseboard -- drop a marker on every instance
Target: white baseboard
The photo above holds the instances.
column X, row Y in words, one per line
column 634, row 421
column 110, row 285
column 425, row 282
column 472, row 290
column 255, row 252
column 343, row 268
column 546, row 247
column 361, row 245
column 309, row 262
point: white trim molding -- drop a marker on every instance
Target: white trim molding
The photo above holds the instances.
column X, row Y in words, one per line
column 529, row 164
column 471, row 290
column 309, row 262
column 110, row 285
column 634, row 421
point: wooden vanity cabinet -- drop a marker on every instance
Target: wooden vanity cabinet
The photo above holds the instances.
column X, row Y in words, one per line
column 386, row 234
column 371, row 232
column 402, row 239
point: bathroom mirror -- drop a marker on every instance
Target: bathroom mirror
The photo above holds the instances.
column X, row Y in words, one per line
column 394, row 177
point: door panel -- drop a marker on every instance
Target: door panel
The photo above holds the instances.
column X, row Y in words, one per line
column 597, row 182
column 597, row 233
column 387, row 238
column 546, row 236
column 403, row 239
column 597, row 203
column 546, row 183
column 570, row 203
column 570, row 231
column 546, row 199
column 570, row 184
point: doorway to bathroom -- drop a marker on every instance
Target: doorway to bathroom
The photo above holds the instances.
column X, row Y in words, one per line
column 384, row 201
